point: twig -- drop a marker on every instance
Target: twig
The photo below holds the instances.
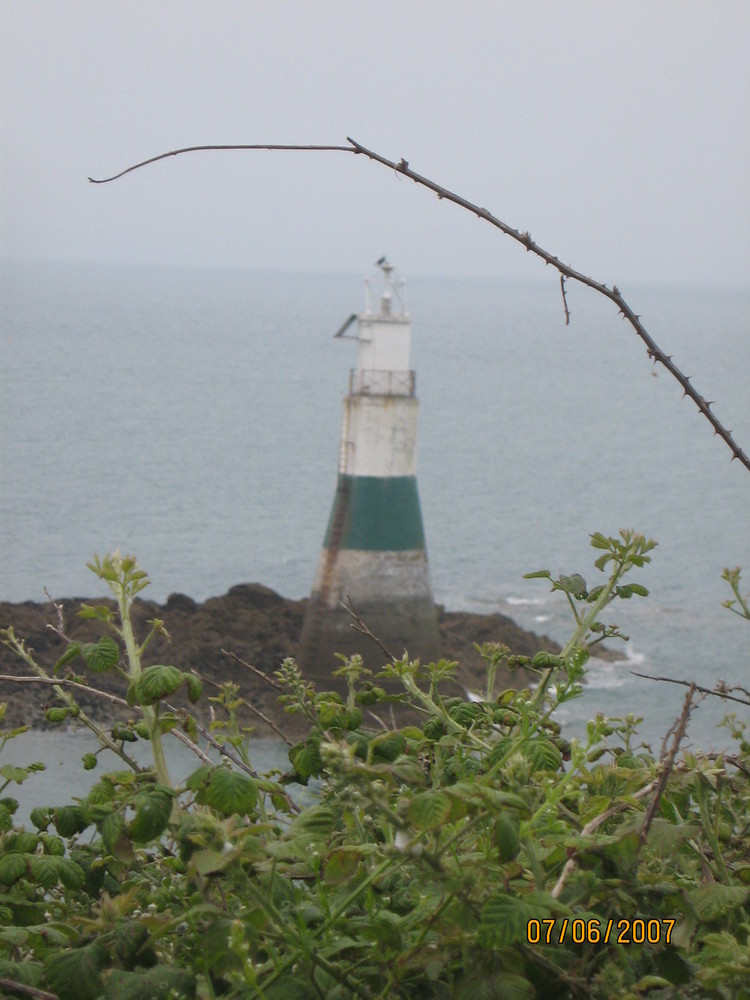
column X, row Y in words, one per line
column 402, row 167
column 264, row 677
column 594, row 824
column 184, row 738
column 199, row 149
column 225, row 752
column 668, row 764
column 30, row 991
column 65, row 682
column 19, row 648
column 256, row 711
column 715, row 692
column 60, row 628
column 730, row 759
column 359, row 626
column 565, row 300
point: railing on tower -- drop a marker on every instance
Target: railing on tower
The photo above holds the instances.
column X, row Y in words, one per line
column 381, row 382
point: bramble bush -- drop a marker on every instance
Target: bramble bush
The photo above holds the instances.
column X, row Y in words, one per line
column 474, row 853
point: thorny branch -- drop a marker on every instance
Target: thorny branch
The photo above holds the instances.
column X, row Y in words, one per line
column 667, row 762
column 720, row 691
column 593, row 825
column 359, row 626
column 65, row 682
column 402, row 167
column 259, row 673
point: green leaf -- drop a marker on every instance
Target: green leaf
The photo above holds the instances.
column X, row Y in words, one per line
column 199, row 778
column 714, row 900
column 157, row 984
column 101, row 656
column 44, row 870
column 194, row 688
column 72, row 651
column 544, row 660
column 89, row 761
column 543, row 755
column 57, row 714
column 505, row 836
column 208, row 862
column 70, row 820
column 316, row 820
column 52, row 844
column 341, row 865
column 111, row 829
column 41, row 817
column 99, row 612
column 540, row 574
column 387, row 746
column 505, row 919
column 12, row 773
column 230, row 792
column 495, row 986
column 25, row 842
column 124, row 733
column 429, row 810
column 574, row 584
column 306, row 760
column 157, row 682
column 624, row 852
column 76, row 974
column 28, row 973
column 12, row 867
column 6, row 819
column 152, row 811
column 71, row 874
column 17, row 937
column 129, row 945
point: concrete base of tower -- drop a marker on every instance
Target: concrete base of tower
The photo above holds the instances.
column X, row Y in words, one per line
column 392, row 594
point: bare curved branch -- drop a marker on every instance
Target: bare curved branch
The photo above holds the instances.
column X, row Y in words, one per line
column 202, row 149
column 652, row 349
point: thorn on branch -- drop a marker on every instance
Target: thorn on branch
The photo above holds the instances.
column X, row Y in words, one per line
column 565, row 300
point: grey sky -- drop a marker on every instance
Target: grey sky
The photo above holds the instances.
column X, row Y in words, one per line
column 618, row 134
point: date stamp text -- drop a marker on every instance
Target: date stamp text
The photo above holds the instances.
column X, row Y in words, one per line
column 627, row 930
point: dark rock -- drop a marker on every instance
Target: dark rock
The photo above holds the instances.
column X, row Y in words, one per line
column 251, row 621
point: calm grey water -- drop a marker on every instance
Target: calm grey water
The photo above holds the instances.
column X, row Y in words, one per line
column 192, row 418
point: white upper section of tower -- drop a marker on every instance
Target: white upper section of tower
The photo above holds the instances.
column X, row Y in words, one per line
column 384, row 337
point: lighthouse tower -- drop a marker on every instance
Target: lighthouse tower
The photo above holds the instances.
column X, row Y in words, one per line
column 374, row 547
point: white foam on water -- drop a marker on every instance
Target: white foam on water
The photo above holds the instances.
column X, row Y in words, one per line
column 632, row 657
column 614, row 674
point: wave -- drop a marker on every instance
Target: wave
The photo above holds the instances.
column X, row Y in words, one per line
column 632, row 657
column 615, row 673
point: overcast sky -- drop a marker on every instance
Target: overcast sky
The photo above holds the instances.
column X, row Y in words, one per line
column 617, row 133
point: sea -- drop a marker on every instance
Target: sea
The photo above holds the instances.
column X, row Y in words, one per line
column 191, row 417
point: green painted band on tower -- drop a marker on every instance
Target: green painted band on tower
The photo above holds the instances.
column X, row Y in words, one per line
column 376, row 514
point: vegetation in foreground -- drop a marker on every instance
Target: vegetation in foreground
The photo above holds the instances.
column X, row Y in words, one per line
column 478, row 853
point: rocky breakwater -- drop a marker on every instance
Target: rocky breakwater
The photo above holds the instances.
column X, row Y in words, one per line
column 251, row 621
